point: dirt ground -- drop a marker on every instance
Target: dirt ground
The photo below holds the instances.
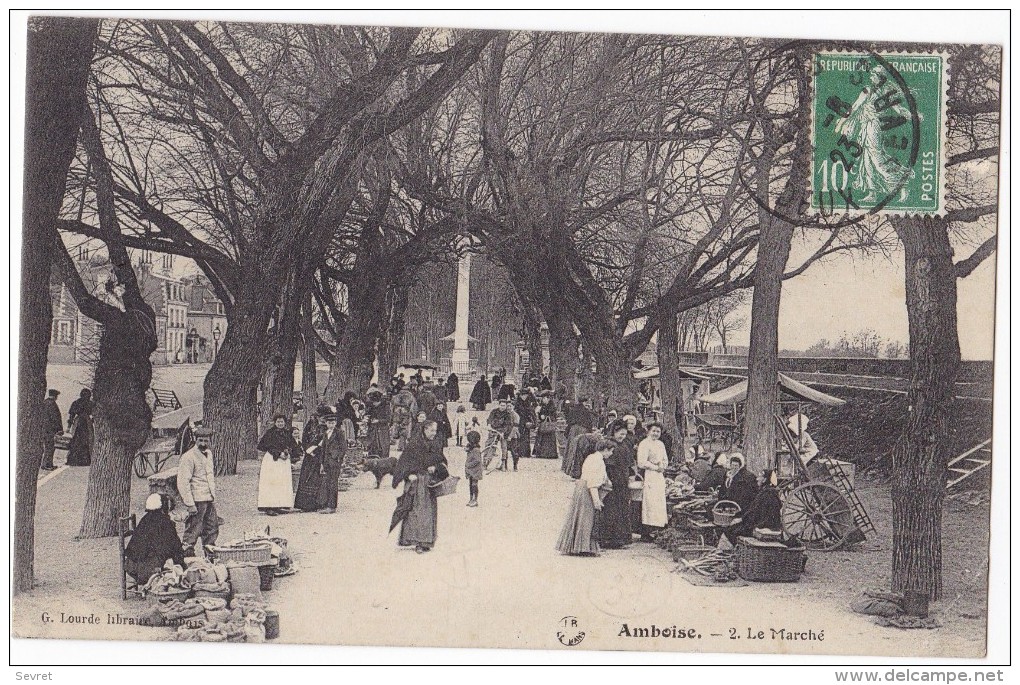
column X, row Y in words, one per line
column 494, row 579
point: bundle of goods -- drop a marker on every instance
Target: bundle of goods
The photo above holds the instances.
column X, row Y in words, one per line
column 206, row 578
column 710, row 562
column 679, row 488
column 169, row 584
column 245, row 620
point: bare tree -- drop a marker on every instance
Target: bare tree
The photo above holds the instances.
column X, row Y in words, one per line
column 59, row 51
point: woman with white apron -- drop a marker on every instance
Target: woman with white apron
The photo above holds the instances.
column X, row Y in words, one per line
column 276, row 486
column 652, row 460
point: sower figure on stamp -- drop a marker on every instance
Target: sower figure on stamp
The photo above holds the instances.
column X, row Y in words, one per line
column 197, row 485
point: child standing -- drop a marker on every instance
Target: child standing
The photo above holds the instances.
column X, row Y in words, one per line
column 473, row 465
column 461, row 425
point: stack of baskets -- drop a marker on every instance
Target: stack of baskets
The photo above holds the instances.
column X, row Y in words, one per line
column 769, row 562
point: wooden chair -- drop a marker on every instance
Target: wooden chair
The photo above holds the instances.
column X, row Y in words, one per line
column 125, row 529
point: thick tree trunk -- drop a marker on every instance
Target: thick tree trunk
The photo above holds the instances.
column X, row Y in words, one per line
column 920, row 458
column 231, row 387
column 391, row 342
column 59, row 52
column 763, row 355
column 532, row 339
column 669, row 376
column 354, row 365
column 309, row 377
column 123, row 419
column 278, row 381
column 562, row 350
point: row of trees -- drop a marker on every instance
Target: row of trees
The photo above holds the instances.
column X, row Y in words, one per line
column 629, row 186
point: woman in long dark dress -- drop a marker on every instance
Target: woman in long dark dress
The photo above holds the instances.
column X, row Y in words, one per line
column 481, row 395
column 378, row 413
column 79, row 424
column 444, row 431
column 418, row 464
column 545, row 443
column 311, row 478
column 615, row 528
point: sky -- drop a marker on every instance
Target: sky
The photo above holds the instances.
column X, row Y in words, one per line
column 847, row 294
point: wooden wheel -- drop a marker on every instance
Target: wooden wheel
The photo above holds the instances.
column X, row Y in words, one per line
column 819, row 515
column 141, row 465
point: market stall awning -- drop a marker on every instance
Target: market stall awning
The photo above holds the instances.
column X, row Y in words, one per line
column 653, row 372
column 791, row 391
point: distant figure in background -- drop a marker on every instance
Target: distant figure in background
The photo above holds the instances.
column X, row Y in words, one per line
column 545, row 443
column 404, row 408
column 444, row 431
column 497, row 384
column 79, row 423
column 481, row 395
column 452, row 388
column 53, row 425
column 545, row 384
column 378, row 414
column 473, row 468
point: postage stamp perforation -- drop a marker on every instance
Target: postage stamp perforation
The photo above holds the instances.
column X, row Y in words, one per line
column 882, row 51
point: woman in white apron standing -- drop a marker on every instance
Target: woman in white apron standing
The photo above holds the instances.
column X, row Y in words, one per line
column 276, row 487
column 652, row 460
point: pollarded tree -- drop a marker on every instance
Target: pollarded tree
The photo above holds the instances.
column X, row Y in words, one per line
column 245, row 145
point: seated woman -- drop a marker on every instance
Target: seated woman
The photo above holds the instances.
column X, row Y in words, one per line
column 763, row 512
column 154, row 541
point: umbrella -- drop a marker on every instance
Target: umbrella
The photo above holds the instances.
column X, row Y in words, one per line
column 404, row 504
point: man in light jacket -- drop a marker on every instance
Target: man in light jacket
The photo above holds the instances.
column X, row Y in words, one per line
column 197, row 485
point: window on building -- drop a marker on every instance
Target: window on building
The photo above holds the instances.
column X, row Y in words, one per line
column 63, row 333
column 168, row 261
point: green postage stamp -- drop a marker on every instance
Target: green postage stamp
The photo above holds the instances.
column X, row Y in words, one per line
column 878, row 133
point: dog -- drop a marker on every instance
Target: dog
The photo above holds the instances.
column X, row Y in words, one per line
column 378, row 467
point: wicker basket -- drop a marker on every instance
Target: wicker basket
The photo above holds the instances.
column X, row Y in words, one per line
column 769, row 562
column 445, row 487
column 170, row 595
column 724, row 512
column 690, row 552
column 251, row 553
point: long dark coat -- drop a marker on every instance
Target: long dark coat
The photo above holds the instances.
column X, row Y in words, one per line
column 79, row 450
column 481, row 395
column 154, row 541
column 614, row 527
column 742, row 489
column 453, row 388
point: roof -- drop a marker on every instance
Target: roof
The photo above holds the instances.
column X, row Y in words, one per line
column 791, row 390
column 685, row 374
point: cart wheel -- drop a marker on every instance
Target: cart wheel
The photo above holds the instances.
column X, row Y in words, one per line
column 141, row 465
column 819, row 515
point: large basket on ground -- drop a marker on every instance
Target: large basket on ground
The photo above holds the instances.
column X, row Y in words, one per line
column 248, row 553
column 769, row 562
column 724, row 512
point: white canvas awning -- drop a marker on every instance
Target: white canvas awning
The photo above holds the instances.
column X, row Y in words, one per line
column 790, row 389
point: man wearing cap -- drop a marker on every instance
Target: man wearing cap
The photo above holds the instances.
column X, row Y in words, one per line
column 197, row 485
column 53, row 425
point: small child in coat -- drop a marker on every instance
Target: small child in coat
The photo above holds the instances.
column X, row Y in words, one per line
column 473, row 465
column 461, row 425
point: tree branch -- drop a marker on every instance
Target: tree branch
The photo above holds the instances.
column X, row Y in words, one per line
column 965, row 267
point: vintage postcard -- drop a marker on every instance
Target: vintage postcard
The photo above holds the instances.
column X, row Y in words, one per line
column 503, row 338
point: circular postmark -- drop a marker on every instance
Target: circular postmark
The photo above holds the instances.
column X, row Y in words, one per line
column 868, row 138
column 569, row 633
column 633, row 590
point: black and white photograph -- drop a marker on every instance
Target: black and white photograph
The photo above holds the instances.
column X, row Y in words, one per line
column 503, row 337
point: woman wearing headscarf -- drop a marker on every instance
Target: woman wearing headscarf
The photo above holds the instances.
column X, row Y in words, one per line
column 615, row 529
column 740, row 486
column 764, row 511
column 154, row 541
column 716, row 477
column 79, row 424
column 579, row 535
column 481, row 395
column 420, row 463
column 276, row 493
